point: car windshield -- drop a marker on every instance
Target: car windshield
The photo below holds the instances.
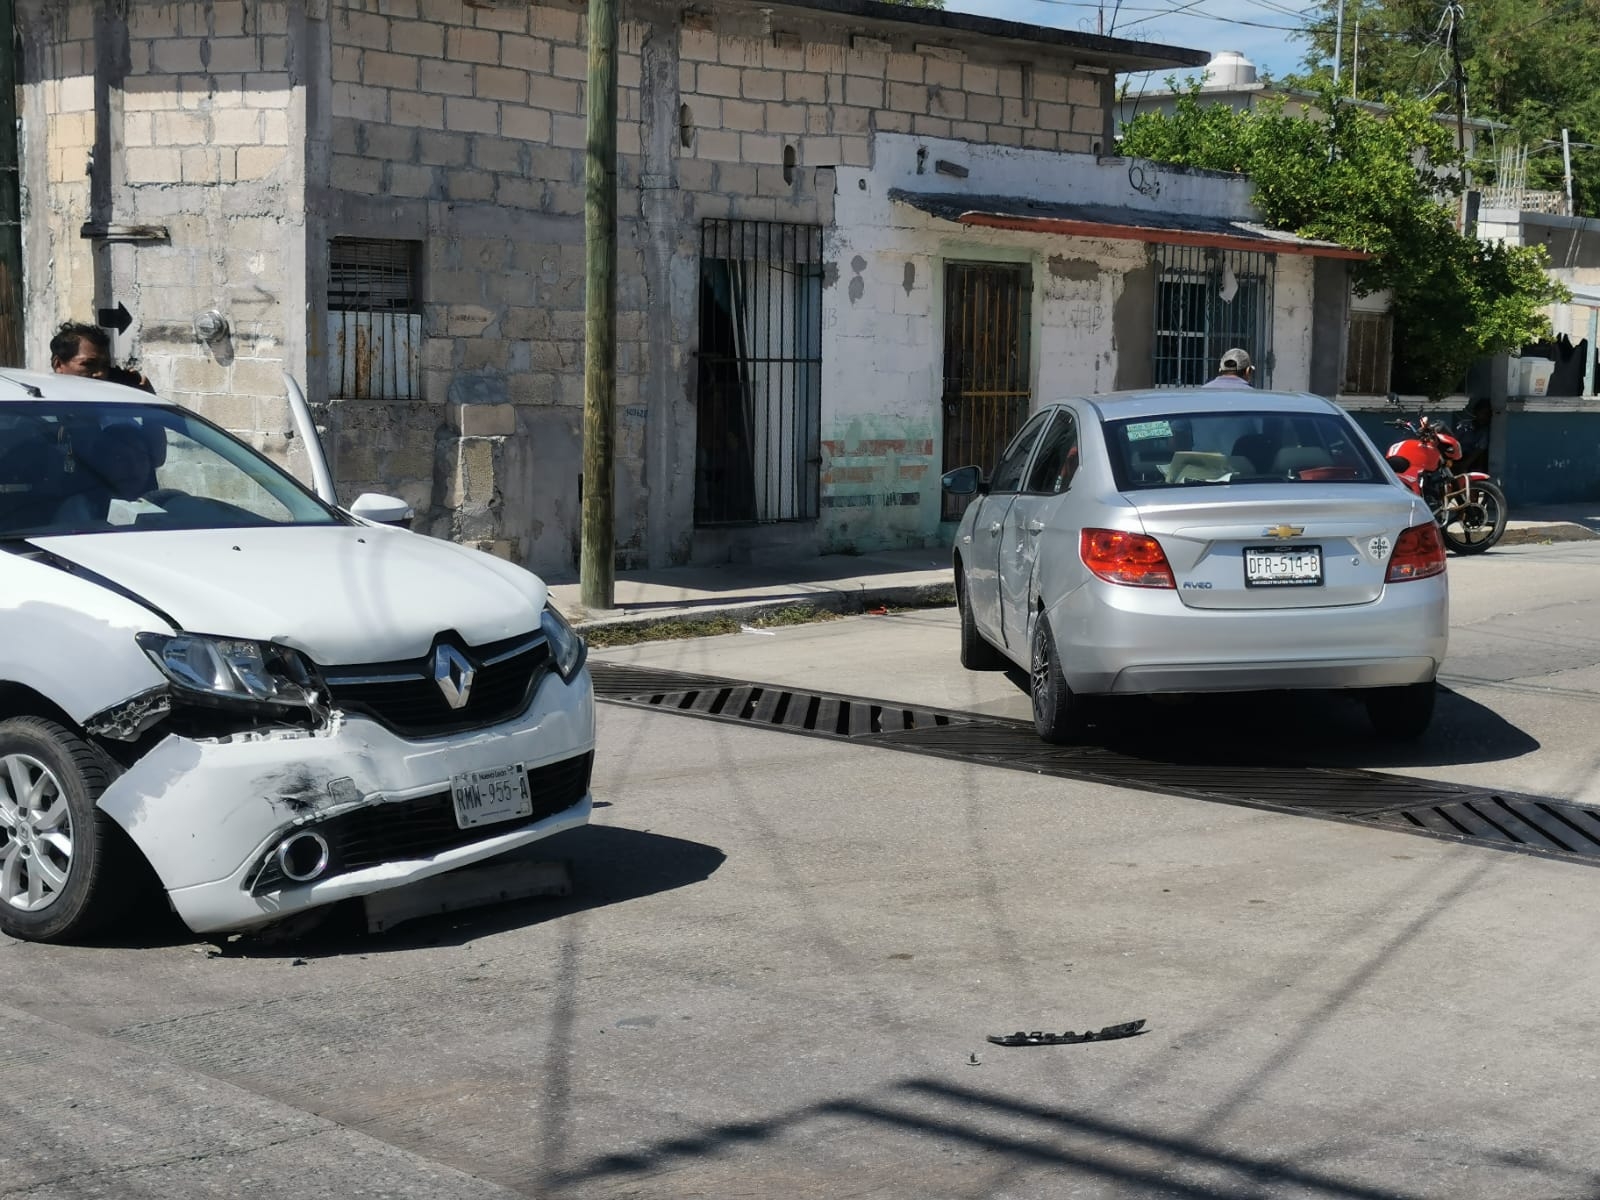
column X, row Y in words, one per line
column 1234, row 447
column 117, row 467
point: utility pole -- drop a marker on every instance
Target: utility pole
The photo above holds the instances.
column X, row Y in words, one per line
column 10, row 198
column 1338, row 44
column 1355, row 58
column 1455, row 13
column 1566, row 163
column 597, row 554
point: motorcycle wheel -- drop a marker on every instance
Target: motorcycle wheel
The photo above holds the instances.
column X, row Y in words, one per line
column 1478, row 522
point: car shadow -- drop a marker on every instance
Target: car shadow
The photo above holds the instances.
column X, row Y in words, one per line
column 608, row 865
column 1298, row 729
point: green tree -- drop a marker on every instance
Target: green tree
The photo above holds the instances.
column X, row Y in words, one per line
column 1532, row 64
column 1379, row 183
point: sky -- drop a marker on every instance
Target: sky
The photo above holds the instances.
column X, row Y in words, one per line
column 1258, row 29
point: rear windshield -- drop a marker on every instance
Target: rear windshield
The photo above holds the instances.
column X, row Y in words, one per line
column 1208, row 449
column 118, row 467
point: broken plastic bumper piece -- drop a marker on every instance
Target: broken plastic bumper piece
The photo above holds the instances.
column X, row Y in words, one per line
column 1109, row 1034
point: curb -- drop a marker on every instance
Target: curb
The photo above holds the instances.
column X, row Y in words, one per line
column 1556, row 531
column 836, row 600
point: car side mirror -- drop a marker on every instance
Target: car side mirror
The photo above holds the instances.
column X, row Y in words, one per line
column 382, row 510
column 964, row 481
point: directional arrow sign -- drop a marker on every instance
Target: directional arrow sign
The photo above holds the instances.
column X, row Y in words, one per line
column 118, row 318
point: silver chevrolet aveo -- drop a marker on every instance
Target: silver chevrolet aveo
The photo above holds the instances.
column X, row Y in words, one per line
column 1200, row 540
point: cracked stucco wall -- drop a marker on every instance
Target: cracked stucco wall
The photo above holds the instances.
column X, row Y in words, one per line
column 255, row 130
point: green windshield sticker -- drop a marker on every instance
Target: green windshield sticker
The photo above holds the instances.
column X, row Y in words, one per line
column 1143, row 431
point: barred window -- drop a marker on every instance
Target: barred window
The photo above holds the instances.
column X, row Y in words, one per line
column 1209, row 301
column 374, row 319
column 759, row 427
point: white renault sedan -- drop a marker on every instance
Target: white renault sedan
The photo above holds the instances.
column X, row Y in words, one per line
column 1200, row 540
column 274, row 703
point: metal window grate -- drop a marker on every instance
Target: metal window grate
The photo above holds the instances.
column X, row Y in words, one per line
column 1368, row 354
column 372, row 275
column 758, row 448
column 1207, row 302
column 987, row 365
column 374, row 319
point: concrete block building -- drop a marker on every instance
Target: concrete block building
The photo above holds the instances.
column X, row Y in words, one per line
column 857, row 241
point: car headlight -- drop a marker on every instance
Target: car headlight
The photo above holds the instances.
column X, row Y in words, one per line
column 230, row 670
column 567, row 649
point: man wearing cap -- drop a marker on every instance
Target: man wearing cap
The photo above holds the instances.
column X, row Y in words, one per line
column 1236, row 370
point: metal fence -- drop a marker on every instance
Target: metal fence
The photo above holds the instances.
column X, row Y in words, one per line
column 374, row 320
column 758, row 450
column 1209, row 301
column 987, row 365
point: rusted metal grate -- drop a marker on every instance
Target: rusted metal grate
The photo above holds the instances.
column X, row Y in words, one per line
column 1534, row 824
column 758, row 442
column 987, row 363
column 374, row 320
column 1209, row 301
column 1367, row 354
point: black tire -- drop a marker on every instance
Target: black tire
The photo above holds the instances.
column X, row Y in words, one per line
column 1402, row 713
column 976, row 653
column 1057, row 713
column 1480, row 523
column 89, row 882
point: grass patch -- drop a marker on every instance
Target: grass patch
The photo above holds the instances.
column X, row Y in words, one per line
column 603, row 637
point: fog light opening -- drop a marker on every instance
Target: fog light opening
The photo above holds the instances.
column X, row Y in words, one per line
column 303, row 856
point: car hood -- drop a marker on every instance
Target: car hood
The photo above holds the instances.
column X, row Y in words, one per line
column 339, row 593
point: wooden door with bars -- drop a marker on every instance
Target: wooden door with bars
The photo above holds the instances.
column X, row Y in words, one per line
column 986, row 363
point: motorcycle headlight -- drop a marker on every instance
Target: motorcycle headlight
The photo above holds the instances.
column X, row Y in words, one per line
column 567, row 649
column 219, row 670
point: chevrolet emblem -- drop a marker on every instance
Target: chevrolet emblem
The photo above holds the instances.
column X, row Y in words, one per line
column 1283, row 531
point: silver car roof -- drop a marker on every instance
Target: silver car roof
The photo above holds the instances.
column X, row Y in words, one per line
column 17, row 385
column 1147, row 402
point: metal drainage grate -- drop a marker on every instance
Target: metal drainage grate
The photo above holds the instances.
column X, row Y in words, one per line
column 1530, row 823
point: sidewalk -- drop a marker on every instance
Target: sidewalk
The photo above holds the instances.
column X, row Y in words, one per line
column 855, row 583
column 836, row 582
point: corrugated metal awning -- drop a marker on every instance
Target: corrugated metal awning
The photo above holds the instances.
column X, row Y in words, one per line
column 1110, row 221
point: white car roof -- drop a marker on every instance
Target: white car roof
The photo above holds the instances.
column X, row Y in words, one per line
column 1118, row 406
column 16, row 385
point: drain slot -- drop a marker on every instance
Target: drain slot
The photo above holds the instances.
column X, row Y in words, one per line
column 1535, row 824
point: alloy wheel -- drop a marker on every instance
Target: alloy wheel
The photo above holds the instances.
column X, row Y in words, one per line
column 1041, row 665
column 35, row 834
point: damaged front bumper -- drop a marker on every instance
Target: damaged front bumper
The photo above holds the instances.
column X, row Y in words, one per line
column 209, row 812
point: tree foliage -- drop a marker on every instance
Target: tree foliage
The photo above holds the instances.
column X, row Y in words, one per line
column 1378, row 182
column 1532, row 64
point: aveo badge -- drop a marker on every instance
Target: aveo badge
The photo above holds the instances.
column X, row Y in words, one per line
column 1379, row 548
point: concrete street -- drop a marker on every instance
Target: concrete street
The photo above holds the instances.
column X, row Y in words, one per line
column 782, row 956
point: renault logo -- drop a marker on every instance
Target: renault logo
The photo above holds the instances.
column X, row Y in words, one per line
column 1283, row 531
column 453, row 673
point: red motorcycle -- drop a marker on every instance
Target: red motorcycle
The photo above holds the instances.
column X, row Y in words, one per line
column 1470, row 508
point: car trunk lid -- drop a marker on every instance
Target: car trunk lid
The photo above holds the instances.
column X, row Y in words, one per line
column 1274, row 547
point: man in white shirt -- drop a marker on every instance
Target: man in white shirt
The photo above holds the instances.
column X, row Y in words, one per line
column 1236, row 370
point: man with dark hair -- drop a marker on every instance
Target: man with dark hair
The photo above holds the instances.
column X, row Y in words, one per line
column 79, row 349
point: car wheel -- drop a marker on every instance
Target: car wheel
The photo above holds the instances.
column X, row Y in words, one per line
column 976, row 653
column 1402, row 713
column 1057, row 714
column 64, row 864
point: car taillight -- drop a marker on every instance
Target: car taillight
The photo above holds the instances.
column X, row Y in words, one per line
column 1132, row 559
column 1419, row 554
